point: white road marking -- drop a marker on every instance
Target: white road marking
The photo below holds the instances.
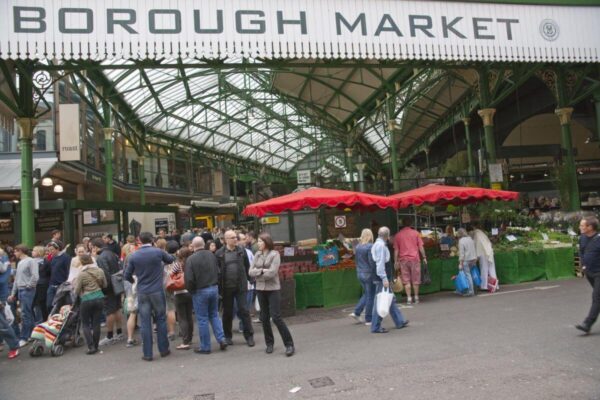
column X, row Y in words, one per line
column 519, row 290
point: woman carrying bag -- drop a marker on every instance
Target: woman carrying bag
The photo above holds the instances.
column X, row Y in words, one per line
column 88, row 286
column 265, row 269
column 183, row 300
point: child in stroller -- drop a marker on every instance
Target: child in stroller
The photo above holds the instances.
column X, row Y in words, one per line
column 61, row 327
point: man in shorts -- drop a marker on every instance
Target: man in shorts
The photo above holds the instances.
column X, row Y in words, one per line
column 109, row 263
column 408, row 252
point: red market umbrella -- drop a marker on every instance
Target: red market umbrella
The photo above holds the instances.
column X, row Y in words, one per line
column 456, row 195
column 317, row 197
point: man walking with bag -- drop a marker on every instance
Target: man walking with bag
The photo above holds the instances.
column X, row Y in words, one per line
column 108, row 261
column 589, row 254
column 381, row 256
column 147, row 265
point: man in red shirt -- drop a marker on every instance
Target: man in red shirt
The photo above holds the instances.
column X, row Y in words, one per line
column 408, row 252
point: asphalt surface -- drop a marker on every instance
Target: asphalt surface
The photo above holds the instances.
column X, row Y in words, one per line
column 517, row 344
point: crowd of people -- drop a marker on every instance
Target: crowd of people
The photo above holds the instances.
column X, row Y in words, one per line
column 153, row 282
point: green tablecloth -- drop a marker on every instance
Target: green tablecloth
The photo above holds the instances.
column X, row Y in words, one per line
column 331, row 288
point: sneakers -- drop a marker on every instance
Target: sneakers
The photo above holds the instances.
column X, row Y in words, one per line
column 131, row 343
column 23, row 343
column 171, row 337
column 106, row 341
column 13, row 354
column 355, row 317
column 416, row 300
column 584, row 328
column 408, row 301
column 368, row 323
column 118, row 337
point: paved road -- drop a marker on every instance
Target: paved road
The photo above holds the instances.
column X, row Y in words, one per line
column 517, row 344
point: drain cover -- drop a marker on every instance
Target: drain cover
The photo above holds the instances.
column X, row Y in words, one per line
column 321, row 382
column 205, row 396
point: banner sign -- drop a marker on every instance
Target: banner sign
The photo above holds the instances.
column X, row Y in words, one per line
column 304, row 177
column 308, row 29
column 69, row 132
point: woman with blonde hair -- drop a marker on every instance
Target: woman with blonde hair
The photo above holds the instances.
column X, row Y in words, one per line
column 364, row 270
column 75, row 267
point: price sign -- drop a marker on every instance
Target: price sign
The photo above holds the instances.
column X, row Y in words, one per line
column 340, row 221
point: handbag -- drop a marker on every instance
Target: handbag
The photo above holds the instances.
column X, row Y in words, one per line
column 460, row 282
column 116, row 280
column 384, row 301
column 175, row 282
column 397, row 286
column 492, row 284
column 425, row 275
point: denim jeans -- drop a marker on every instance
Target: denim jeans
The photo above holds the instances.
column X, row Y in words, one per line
column 153, row 304
column 367, row 298
column 27, row 317
column 467, row 271
column 50, row 296
column 15, row 324
column 206, row 307
column 395, row 312
column 7, row 333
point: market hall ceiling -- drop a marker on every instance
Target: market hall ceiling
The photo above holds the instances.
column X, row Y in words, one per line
column 303, row 76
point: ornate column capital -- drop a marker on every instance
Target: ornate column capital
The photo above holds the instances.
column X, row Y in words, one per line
column 141, row 160
column 487, row 115
column 564, row 115
column 361, row 166
column 26, row 126
column 466, row 121
column 108, row 132
column 349, row 151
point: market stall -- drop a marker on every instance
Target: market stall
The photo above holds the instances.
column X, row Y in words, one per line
column 521, row 254
column 324, row 273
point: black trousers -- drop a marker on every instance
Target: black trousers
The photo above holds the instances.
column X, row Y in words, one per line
column 39, row 300
column 594, row 280
column 184, row 308
column 91, row 313
column 270, row 307
column 229, row 294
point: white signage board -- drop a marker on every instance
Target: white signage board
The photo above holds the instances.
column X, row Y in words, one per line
column 496, row 174
column 340, row 221
column 304, row 177
column 306, row 29
column 69, row 132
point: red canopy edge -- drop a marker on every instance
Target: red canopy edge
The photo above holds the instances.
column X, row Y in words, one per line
column 456, row 195
column 314, row 198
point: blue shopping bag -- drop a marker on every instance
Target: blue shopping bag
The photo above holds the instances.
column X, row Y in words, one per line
column 460, row 282
column 327, row 257
column 476, row 275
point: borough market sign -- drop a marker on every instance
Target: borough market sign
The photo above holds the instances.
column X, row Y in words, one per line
column 399, row 30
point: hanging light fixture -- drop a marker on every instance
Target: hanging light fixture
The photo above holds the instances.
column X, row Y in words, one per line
column 58, row 189
column 47, row 181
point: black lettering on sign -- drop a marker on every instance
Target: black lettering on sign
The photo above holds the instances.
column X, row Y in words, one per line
column 239, row 25
column 361, row 19
column 218, row 29
column 124, row 23
column 19, row 19
column 176, row 18
column 62, row 20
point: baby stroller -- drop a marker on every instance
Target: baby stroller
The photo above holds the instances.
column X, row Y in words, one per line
column 62, row 326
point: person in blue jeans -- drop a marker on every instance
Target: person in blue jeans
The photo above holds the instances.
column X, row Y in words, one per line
column 5, row 273
column 467, row 258
column 147, row 265
column 201, row 279
column 7, row 334
column 364, row 270
column 24, row 290
column 381, row 255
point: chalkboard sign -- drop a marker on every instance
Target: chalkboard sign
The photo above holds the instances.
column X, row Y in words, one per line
column 47, row 222
column 161, row 223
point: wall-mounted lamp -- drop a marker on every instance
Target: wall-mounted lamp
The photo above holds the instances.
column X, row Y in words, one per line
column 58, row 189
column 47, row 182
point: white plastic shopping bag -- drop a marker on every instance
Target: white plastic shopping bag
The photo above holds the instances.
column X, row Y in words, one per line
column 256, row 304
column 384, row 301
column 10, row 318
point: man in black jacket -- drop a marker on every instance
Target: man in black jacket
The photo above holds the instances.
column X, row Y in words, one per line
column 109, row 263
column 201, row 280
column 233, row 267
column 589, row 254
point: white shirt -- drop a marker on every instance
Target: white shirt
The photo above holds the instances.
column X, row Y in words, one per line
column 466, row 249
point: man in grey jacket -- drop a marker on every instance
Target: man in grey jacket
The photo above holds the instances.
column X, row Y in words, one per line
column 24, row 290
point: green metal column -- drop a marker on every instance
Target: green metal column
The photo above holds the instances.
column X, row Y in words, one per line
column 427, row 159
column 487, row 114
column 142, row 180
column 471, row 166
column 291, row 228
column 597, row 106
column 26, row 126
column 564, row 115
column 391, row 125
column 349, row 166
column 108, row 163
column 360, row 167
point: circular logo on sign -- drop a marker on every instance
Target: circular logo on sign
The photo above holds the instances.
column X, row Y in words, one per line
column 549, row 29
column 340, row 221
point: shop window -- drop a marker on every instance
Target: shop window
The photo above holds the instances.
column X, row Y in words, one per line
column 40, row 140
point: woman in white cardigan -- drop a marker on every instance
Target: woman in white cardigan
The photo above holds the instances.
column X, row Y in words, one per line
column 485, row 255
